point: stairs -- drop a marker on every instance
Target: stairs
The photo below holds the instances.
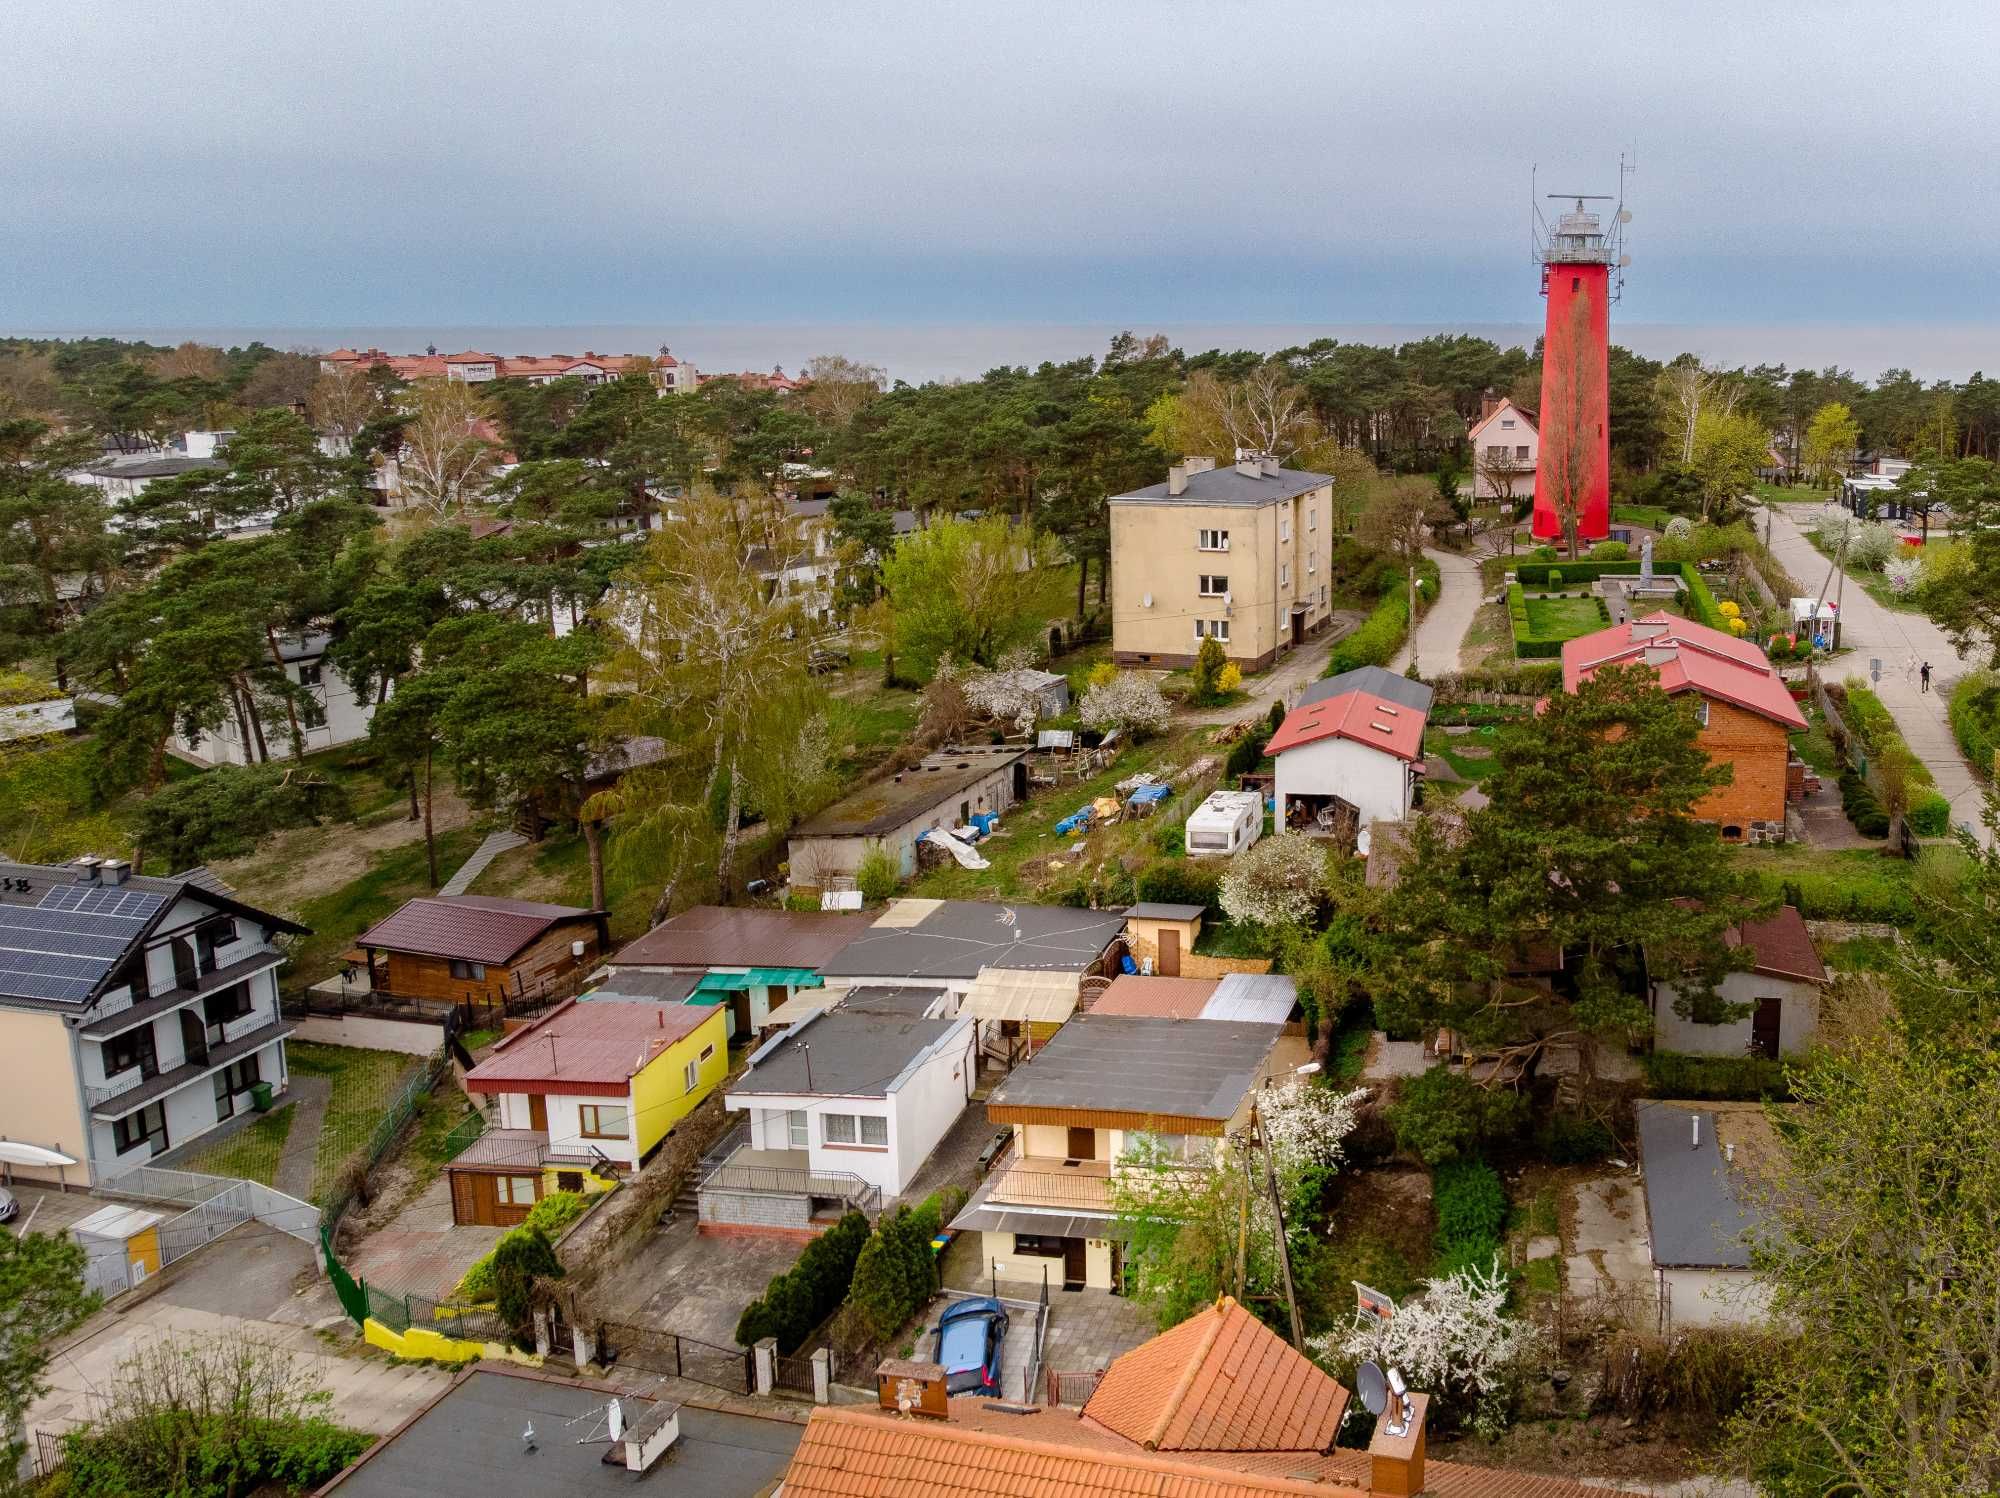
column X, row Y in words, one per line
column 496, row 843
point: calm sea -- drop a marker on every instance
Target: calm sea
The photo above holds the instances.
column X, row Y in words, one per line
column 918, row 352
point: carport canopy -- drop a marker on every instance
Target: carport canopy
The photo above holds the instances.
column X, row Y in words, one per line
column 713, row 985
column 1041, row 998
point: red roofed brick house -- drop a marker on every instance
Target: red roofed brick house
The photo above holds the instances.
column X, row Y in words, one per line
column 1353, row 747
column 585, row 1091
column 1218, row 1407
column 478, row 949
column 1747, row 715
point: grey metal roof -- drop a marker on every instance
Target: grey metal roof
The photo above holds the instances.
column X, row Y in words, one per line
column 152, row 468
column 961, row 938
column 1223, row 485
column 1390, row 686
column 467, row 1444
column 1262, row 998
column 1155, row 910
column 1699, row 1219
column 633, row 985
column 1120, row 1063
column 842, row 1053
column 878, row 998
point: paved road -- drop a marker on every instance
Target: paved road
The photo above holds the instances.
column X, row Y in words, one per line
column 1441, row 632
column 1902, row 642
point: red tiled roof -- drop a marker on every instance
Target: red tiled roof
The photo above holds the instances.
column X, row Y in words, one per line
column 1162, row 998
column 1360, row 716
column 472, row 928
column 1479, row 426
column 1220, row 1381
column 1783, row 946
column 592, row 1049
column 1703, row 660
column 728, row 936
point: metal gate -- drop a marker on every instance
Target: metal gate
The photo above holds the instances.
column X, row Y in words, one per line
column 794, row 1375
column 674, row 1356
column 49, row 1453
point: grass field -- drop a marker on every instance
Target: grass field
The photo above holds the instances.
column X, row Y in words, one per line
column 393, row 876
column 1452, row 747
column 1563, row 618
column 363, row 1085
column 1652, row 517
column 250, row 1154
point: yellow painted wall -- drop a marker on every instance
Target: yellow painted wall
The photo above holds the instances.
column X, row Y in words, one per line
column 420, row 1342
column 659, row 1100
column 144, row 1250
column 39, row 1103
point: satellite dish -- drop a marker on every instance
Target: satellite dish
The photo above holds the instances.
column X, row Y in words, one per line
column 1624, row 215
column 1624, row 262
column 616, row 1423
column 1374, row 1387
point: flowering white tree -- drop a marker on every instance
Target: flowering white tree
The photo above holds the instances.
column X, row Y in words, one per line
column 1905, row 574
column 1277, row 882
column 1307, row 1124
column 1679, row 528
column 1455, row 1338
column 1872, row 546
column 1133, row 703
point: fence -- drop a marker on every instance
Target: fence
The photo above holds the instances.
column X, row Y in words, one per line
column 1070, row 1390
column 212, row 1205
column 486, row 1011
column 460, row 1138
column 339, row 1197
column 794, row 1374
column 50, row 1452
column 675, row 1356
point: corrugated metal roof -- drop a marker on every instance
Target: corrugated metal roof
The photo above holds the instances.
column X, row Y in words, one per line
column 470, row 928
column 1264, row 998
column 577, row 1046
column 730, row 936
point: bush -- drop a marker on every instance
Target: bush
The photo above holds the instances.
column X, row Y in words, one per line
column 556, row 1211
column 1523, row 678
column 1230, row 679
column 1705, row 1373
column 1929, row 814
column 1471, row 1215
column 896, row 1273
column 878, row 874
column 1381, row 633
column 797, row 1301
column 1975, row 718
column 1610, row 551
column 1566, row 1139
column 519, row 1259
column 1555, row 578
column 1544, row 554
column 1276, row 716
column 1205, row 689
column 1739, row 1079
column 1244, row 755
column 1443, row 1116
column 1181, row 881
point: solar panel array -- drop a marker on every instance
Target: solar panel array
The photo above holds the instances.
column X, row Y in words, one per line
column 61, row 949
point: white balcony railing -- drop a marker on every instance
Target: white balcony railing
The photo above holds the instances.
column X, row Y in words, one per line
column 116, row 1086
column 244, row 1025
column 113, row 1003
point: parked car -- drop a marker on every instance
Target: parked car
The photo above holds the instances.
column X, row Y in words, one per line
column 970, row 1336
column 9, row 1207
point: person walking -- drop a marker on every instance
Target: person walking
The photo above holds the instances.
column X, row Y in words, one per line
column 1924, row 676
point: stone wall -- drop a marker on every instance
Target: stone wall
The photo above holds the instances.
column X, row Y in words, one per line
column 724, row 1211
column 1195, row 965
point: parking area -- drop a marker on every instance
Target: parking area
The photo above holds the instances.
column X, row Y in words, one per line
column 421, row 1251
column 44, row 1209
column 696, row 1286
column 1016, row 1356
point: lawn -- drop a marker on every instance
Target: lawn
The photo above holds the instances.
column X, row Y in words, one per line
column 1797, row 494
column 1652, row 517
column 1489, row 635
column 1854, row 884
column 364, row 1083
column 252, row 1153
column 393, row 875
column 1452, row 747
column 1555, row 618
column 1814, row 746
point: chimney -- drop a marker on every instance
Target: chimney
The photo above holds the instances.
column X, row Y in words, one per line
column 86, row 869
column 1250, row 467
column 114, row 870
column 1396, row 1461
column 912, row 1388
column 1177, row 477
column 1269, row 465
column 1488, row 404
column 1198, row 463
column 1659, row 655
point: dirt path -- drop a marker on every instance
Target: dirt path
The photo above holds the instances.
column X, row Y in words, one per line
column 294, row 866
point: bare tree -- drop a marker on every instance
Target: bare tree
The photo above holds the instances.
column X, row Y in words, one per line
column 1497, row 469
column 1569, row 437
column 1267, row 412
column 1400, row 514
column 837, row 387
column 445, row 461
column 342, row 401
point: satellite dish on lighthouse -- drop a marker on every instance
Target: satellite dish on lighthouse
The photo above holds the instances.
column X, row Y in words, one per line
column 1624, row 215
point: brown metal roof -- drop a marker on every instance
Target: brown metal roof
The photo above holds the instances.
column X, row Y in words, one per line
column 1782, row 945
column 472, row 928
column 757, row 936
column 1220, row 1381
column 1161, row 998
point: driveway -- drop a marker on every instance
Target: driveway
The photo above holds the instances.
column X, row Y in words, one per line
column 421, row 1250
column 1440, row 633
column 1902, row 642
column 1292, row 674
column 680, row 1281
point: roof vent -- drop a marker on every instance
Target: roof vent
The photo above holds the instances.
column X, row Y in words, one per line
column 86, row 869
column 1659, row 655
column 114, row 870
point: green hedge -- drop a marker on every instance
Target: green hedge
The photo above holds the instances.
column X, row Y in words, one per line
column 1526, row 645
column 810, row 1291
column 1975, row 718
column 1382, row 633
column 1517, row 678
column 897, row 1272
column 1740, row 1079
column 1700, row 601
column 1930, row 814
column 1858, row 893
column 1471, row 1213
column 1862, row 807
column 1182, row 881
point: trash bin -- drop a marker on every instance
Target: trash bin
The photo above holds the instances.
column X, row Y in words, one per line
column 260, row 1096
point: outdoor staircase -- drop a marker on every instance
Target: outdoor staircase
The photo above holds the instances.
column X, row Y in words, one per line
column 496, row 843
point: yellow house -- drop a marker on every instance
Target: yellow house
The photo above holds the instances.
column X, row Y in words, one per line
column 1242, row 554
column 584, row 1093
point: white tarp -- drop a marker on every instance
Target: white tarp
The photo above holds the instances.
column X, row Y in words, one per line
column 958, row 850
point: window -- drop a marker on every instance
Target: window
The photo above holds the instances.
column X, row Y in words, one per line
column 1175, row 1149
column 230, row 1003
column 516, row 1191
column 147, row 1126
column 476, row 971
column 795, row 1130
column 1284, row 574
column 1506, row 423
column 569, row 1180
column 231, row 1080
column 1211, row 587
column 1312, row 518
column 1521, row 452
column 708, row 1053
column 312, row 712
column 1211, row 540
column 1213, row 629
column 1701, row 712
column 865, row 1131
column 309, row 673
column 210, row 935
column 603, row 1121
column 1284, row 527
column 1312, row 562
column 690, row 1075
column 1040, row 1245
column 133, row 1048
column 1576, row 283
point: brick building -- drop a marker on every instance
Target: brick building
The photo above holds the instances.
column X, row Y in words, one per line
column 1747, row 715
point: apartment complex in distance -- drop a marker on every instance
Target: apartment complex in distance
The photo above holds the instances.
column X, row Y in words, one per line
column 1242, row 554
column 474, row 367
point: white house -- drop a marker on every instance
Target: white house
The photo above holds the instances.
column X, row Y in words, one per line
column 1505, row 447
column 1782, row 988
column 844, row 1108
column 136, row 1013
column 1352, row 749
column 330, row 714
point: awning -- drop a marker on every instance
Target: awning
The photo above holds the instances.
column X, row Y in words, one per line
column 714, row 985
column 786, row 977
column 14, row 1152
column 1001, row 993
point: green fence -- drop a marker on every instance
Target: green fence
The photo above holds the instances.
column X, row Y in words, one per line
column 334, row 1203
column 460, row 1138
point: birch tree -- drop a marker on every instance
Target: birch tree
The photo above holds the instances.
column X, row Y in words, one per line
column 444, row 461
column 342, row 402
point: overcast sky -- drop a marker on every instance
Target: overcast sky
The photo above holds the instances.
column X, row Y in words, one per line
column 313, row 164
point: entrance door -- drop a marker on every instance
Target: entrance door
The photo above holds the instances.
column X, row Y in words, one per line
column 1072, row 1263
column 1764, row 1027
column 739, row 1012
column 538, row 1112
column 1082, row 1144
column 1298, row 627
column 1170, row 953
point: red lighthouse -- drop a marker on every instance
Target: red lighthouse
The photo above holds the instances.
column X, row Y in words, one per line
column 1573, row 470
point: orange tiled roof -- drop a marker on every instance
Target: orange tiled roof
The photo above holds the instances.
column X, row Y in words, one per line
column 1162, row 998
column 1220, row 1381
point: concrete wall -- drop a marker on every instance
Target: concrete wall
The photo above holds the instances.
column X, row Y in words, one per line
column 1798, row 1018
column 410, row 1037
column 1376, row 783
column 755, row 1209
column 40, row 1103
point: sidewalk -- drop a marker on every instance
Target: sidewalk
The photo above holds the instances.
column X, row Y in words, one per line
column 1441, row 632
column 1902, row 642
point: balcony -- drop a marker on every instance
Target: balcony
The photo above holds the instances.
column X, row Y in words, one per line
column 106, row 1023
column 1079, row 1185
column 789, row 1173
column 116, row 1086
column 122, row 1097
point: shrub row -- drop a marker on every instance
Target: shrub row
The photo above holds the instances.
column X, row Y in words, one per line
column 1381, row 634
column 897, row 1272
column 1861, row 806
column 1516, row 678
column 1716, row 1078
column 1471, row 1214
column 810, row 1291
column 1182, row 881
column 1854, row 894
column 1975, row 718
column 1700, row 600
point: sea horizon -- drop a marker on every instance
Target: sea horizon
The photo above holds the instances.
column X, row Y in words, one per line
column 920, row 351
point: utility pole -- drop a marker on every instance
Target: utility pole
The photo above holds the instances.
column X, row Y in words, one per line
column 1413, row 620
column 1278, row 1210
